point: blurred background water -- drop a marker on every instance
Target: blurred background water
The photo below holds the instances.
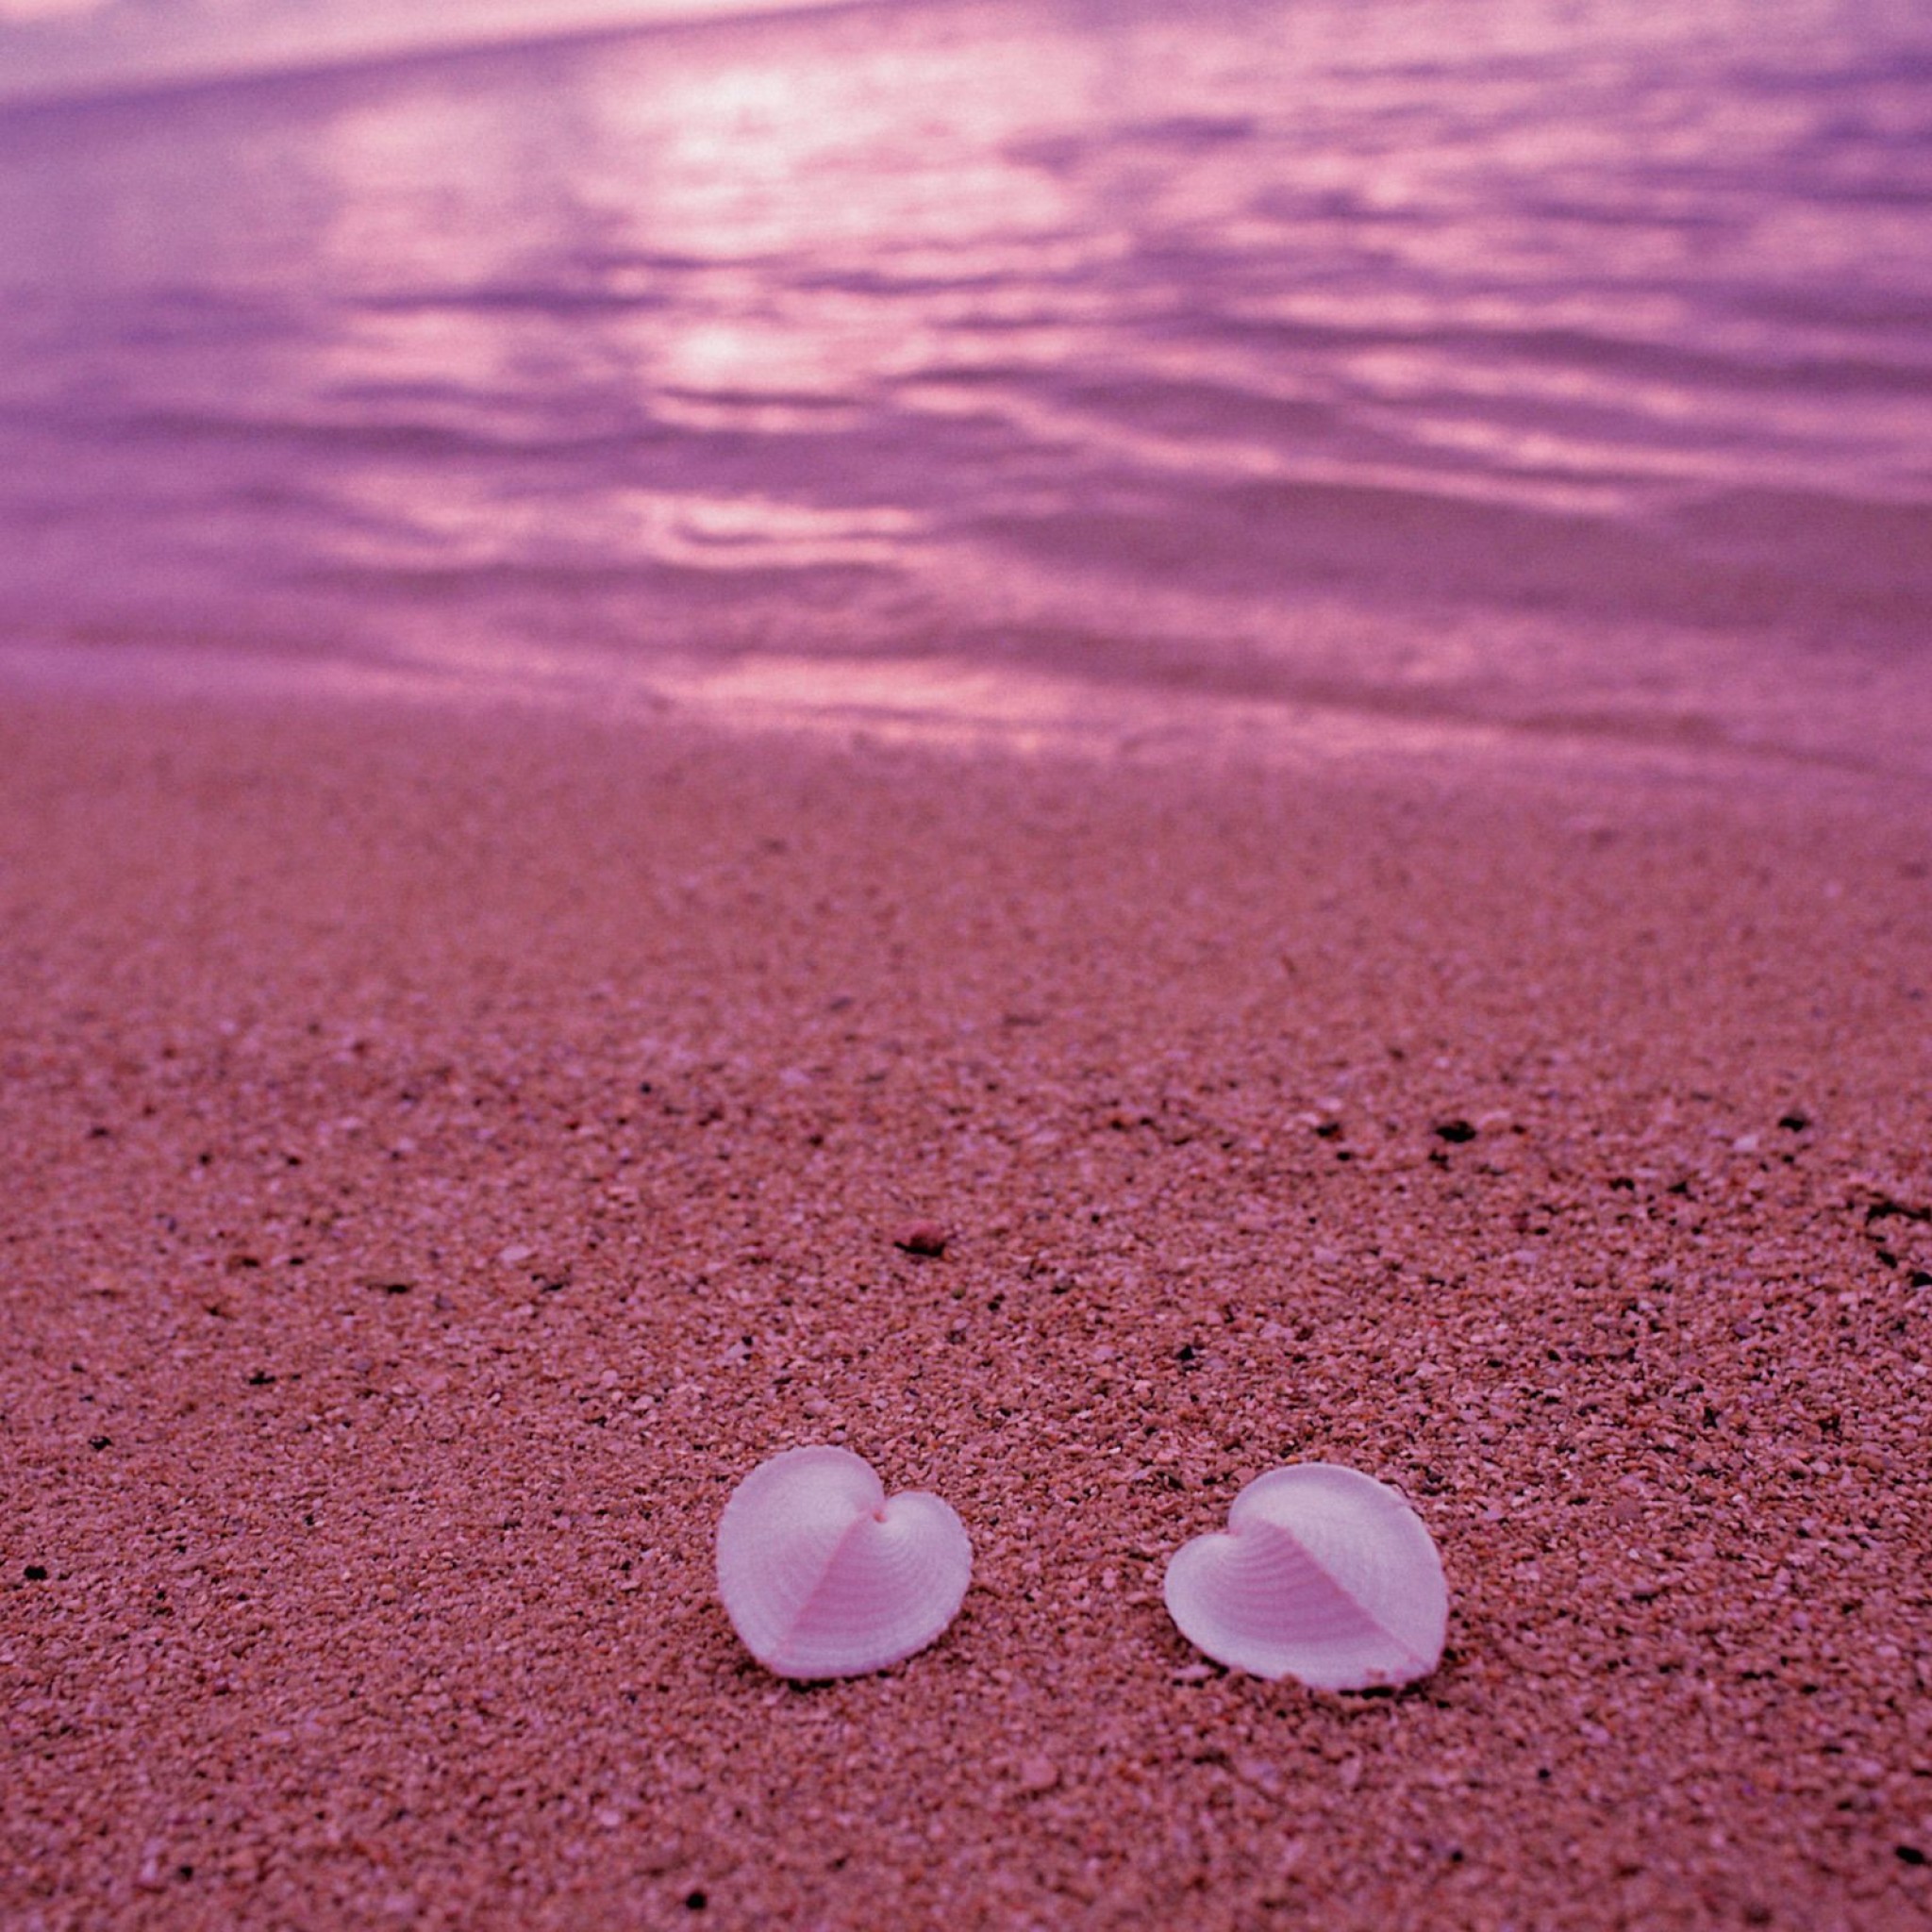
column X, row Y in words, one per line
column 1546, row 369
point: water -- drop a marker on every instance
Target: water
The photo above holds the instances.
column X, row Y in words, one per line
column 1512, row 371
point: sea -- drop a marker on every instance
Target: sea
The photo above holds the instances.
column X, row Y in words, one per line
column 1522, row 378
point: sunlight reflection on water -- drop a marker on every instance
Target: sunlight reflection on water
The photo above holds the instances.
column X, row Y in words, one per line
column 1121, row 346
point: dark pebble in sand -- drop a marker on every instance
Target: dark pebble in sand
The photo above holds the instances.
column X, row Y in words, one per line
column 1455, row 1130
column 926, row 1238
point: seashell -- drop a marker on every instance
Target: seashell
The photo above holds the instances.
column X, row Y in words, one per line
column 1322, row 1573
column 823, row 1577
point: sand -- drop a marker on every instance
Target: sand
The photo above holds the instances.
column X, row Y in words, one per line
column 445, row 1152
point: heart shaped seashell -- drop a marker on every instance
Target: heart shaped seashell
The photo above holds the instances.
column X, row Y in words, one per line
column 1322, row 1573
column 823, row 1577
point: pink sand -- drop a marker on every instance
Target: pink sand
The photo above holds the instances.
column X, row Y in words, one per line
column 441, row 1157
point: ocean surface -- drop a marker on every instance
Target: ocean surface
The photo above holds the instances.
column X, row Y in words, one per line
column 1397, row 372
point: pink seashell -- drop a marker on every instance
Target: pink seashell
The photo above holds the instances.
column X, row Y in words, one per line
column 1322, row 1573
column 823, row 1577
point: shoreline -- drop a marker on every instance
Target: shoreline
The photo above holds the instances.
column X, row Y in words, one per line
column 958, row 708
column 449, row 1148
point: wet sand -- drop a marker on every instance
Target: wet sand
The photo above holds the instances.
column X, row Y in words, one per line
column 444, row 1152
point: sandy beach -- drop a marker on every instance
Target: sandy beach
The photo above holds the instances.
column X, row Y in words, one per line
column 445, row 1152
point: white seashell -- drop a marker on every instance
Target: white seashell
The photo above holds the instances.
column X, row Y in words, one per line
column 823, row 1577
column 1321, row 1573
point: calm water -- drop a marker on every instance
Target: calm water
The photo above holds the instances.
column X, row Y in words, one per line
column 1555, row 371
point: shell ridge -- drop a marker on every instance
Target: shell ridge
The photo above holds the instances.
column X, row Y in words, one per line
column 1318, row 1569
column 1251, row 1506
column 751, row 1575
column 911, row 1634
column 801, row 1617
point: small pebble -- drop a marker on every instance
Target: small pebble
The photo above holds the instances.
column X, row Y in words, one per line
column 923, row 1238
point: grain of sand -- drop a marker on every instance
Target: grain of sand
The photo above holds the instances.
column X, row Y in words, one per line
column 443, row 1154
